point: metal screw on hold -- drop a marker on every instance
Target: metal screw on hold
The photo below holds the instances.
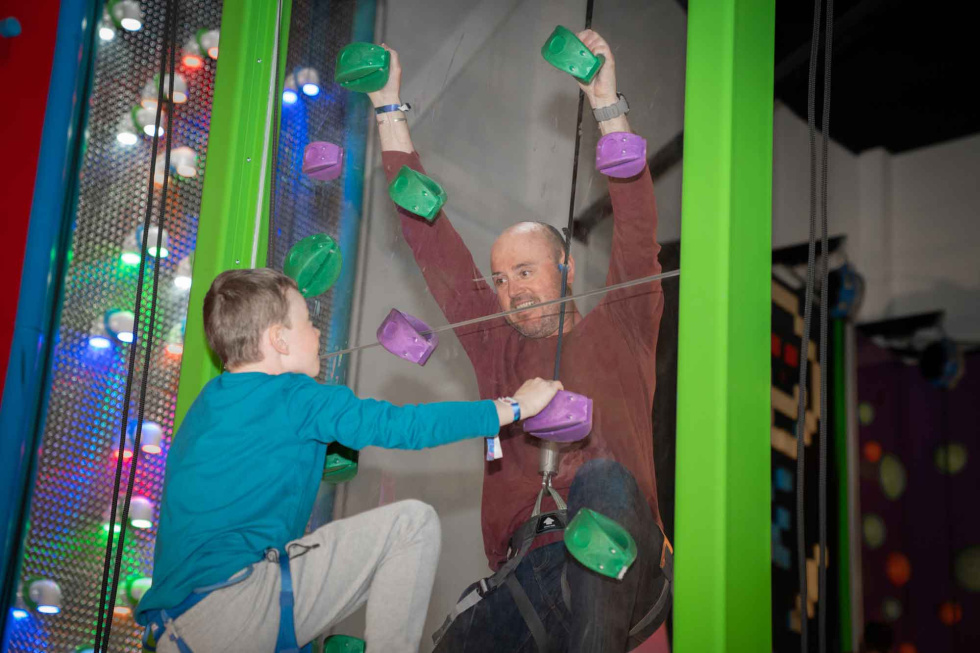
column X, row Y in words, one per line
column 238, row 261
column 248, row 159
column 258, row 61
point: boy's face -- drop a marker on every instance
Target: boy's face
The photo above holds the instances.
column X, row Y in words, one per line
column 302, row 338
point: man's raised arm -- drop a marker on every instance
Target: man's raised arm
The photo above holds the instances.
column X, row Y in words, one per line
column 634, row 246
column 440, row 253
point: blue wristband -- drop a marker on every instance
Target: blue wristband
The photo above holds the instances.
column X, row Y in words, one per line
column 392, row 107
column 516, row 407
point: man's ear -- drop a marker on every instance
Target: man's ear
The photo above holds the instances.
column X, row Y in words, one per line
column 571, row 269
column 277, row 339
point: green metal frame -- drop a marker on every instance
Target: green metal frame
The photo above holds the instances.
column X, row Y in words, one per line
column 722, row 599
column 234, row 188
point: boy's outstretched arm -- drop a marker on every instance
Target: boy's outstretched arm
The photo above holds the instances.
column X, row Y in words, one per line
column 335, row 414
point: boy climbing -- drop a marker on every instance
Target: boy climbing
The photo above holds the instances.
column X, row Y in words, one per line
column 232, row 568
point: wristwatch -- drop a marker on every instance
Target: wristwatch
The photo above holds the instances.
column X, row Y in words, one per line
column 621, row 108
column 516, row 407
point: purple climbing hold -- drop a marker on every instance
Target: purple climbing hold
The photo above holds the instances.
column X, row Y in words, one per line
column 567, row 418
column 621, row 155
column 401, row 334
column 323, row 161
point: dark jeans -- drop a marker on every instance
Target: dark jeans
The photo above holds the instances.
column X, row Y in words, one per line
column 603, row 609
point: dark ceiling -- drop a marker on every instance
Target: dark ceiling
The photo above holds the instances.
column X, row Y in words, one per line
column 901, row 70
column 900, row 78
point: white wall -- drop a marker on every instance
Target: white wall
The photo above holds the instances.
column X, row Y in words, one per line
column 935, row 220
column 911, row 221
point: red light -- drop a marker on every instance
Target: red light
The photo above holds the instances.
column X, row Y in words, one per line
column 127, row 454
column 151, row 448
column 175, row 349
column 213, row 52
column 791, row 355
column 193, row 61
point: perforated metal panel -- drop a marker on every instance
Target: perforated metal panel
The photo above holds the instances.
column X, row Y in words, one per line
column 303, row 206
column 65, row 539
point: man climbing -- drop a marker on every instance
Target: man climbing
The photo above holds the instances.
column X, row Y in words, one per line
column 608, row 355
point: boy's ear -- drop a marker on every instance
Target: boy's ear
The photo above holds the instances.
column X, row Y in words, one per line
column 277, row 339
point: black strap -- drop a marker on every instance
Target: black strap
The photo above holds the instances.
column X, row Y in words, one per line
column 527, row 610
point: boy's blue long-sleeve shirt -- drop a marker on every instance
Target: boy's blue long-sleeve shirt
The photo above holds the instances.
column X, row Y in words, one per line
column 244, row 468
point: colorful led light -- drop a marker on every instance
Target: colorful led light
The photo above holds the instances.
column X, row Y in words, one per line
column 44, row 595
column 119, row 324
column 289, row 96
column 208, row 39
column 141, row 512
column 126, row 14
column 151, row 438
column 106, row 33
column 151, row 91
column 193, row 61
column 309, row 81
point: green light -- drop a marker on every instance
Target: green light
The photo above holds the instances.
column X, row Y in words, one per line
column 105, row 527
column 130, row 258
column 164, row 252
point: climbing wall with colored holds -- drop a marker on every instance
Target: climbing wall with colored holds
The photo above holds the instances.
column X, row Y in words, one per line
column 67, row 521
column 786, row 350
column 920, row 539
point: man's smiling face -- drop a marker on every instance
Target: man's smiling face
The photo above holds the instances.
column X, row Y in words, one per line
column 524, row 261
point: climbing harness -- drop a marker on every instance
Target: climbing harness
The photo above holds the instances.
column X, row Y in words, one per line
column 161, row 622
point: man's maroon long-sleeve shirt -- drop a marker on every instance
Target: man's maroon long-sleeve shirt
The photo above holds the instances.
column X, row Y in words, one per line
column 609, row 356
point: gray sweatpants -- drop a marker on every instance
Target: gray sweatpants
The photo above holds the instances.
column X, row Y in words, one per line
column 386, row 557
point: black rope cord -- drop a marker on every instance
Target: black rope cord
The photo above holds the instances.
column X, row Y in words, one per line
column 824, row 319
column 106, row 607
column 805, row 345
column 571, row 210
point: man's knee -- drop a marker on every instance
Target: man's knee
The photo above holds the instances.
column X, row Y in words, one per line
column 605, row 474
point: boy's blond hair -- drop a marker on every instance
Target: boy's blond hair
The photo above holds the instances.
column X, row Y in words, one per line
column 239, row 307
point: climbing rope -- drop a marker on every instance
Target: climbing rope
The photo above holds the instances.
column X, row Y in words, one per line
column 805, row 347
column 113, row 545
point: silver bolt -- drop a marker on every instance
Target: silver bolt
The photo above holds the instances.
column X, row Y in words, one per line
column 248, row 159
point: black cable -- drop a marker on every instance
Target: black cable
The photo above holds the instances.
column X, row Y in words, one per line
column 824, row 318
column 102, row 639
column 571, row 208
column 805, row 343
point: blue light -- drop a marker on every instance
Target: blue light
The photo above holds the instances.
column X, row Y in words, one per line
column 99, row 342
column 289, row 96
column 19, row 613
column 311, row 89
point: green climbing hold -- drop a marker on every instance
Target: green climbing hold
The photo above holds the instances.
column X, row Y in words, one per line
column 343, row 644
column 314, row 263
column 340, row 465
column 600, row 543
column 362, row 67
column 567, row 53
column 417, row 193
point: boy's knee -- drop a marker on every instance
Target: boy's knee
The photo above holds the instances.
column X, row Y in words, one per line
column 422, row 517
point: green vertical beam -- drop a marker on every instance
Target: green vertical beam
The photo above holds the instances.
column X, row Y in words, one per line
column 722, row 598
column 843, row 557
column 234, row 221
